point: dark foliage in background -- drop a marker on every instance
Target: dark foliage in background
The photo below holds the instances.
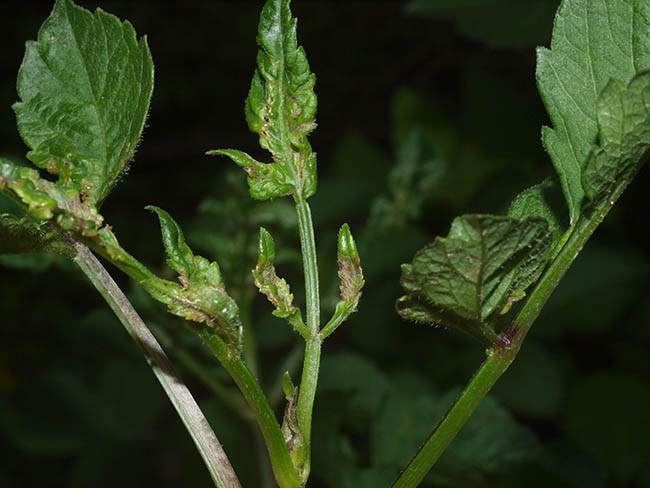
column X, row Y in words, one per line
column 427, row 109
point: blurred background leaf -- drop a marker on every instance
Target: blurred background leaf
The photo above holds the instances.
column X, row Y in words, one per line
column 422, row 117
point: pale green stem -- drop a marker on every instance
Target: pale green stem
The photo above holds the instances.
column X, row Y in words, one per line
column 195, row 422
column 503, row 355
column 309, row 379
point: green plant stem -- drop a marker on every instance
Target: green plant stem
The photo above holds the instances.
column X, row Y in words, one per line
column 445, row 432
column 204, row 438
column 283, row 468
column 229, row 396
column 311, row 363
column 310, row 264
column 502, row 356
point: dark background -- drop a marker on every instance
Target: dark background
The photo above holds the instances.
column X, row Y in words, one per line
column 428, row 109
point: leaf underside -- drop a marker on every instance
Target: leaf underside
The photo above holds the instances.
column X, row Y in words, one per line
column 20, row 235
column 464, row 279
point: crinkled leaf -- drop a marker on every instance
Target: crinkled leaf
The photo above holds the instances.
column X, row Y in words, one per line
column 281, row 109
column 291, row 430
column 46, row 200
column 265, row 181
column 624, row 122
column 350, row 272
column 20, row 235
column 85, row 87
column 201, row 295
column 276, row 289
column 26, row 185
column 593, row 41
column 180, row 257
column 542, row 200
column 351, row 280
column 483, row 265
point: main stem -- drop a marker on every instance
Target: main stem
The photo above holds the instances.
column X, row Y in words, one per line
column 311, row 364
column 195, row 422
column 502, row 356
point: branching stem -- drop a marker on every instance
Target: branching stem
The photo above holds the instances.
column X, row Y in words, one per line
column 195, row 422
column 501, row 357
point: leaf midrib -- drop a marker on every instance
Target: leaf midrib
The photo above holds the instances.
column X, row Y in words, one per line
column 94, row 101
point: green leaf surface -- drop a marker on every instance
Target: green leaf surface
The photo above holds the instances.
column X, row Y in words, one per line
column 276, row 289
column 201, row 296
column 180, row 257
column 466, row 279
column 593, row 41
column 84, row 88
column 45, row 200
column 265, row 181
column 281, row 109
column 624, row 122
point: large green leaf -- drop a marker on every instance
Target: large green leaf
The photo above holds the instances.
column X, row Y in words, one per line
column 593, row 41
column 281, row 108
column 624, row 122
column 468, row 278
column 85, row 87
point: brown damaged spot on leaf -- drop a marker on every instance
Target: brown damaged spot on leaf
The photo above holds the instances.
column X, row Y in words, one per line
column 351, row 277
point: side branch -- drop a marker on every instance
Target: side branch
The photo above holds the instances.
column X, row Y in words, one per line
column 195, row 422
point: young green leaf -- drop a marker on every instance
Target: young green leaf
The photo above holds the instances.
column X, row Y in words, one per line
column 85, row 87
column 202, row 297
column 351, row 280
column 483, row 265
column 46, row 200
column 281, row 108
column 265, row 181
column 593, row 41
column 275, row 288
column 624, row 122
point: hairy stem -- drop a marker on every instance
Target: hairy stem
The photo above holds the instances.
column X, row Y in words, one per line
column 204, row 438
column 501, row 357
